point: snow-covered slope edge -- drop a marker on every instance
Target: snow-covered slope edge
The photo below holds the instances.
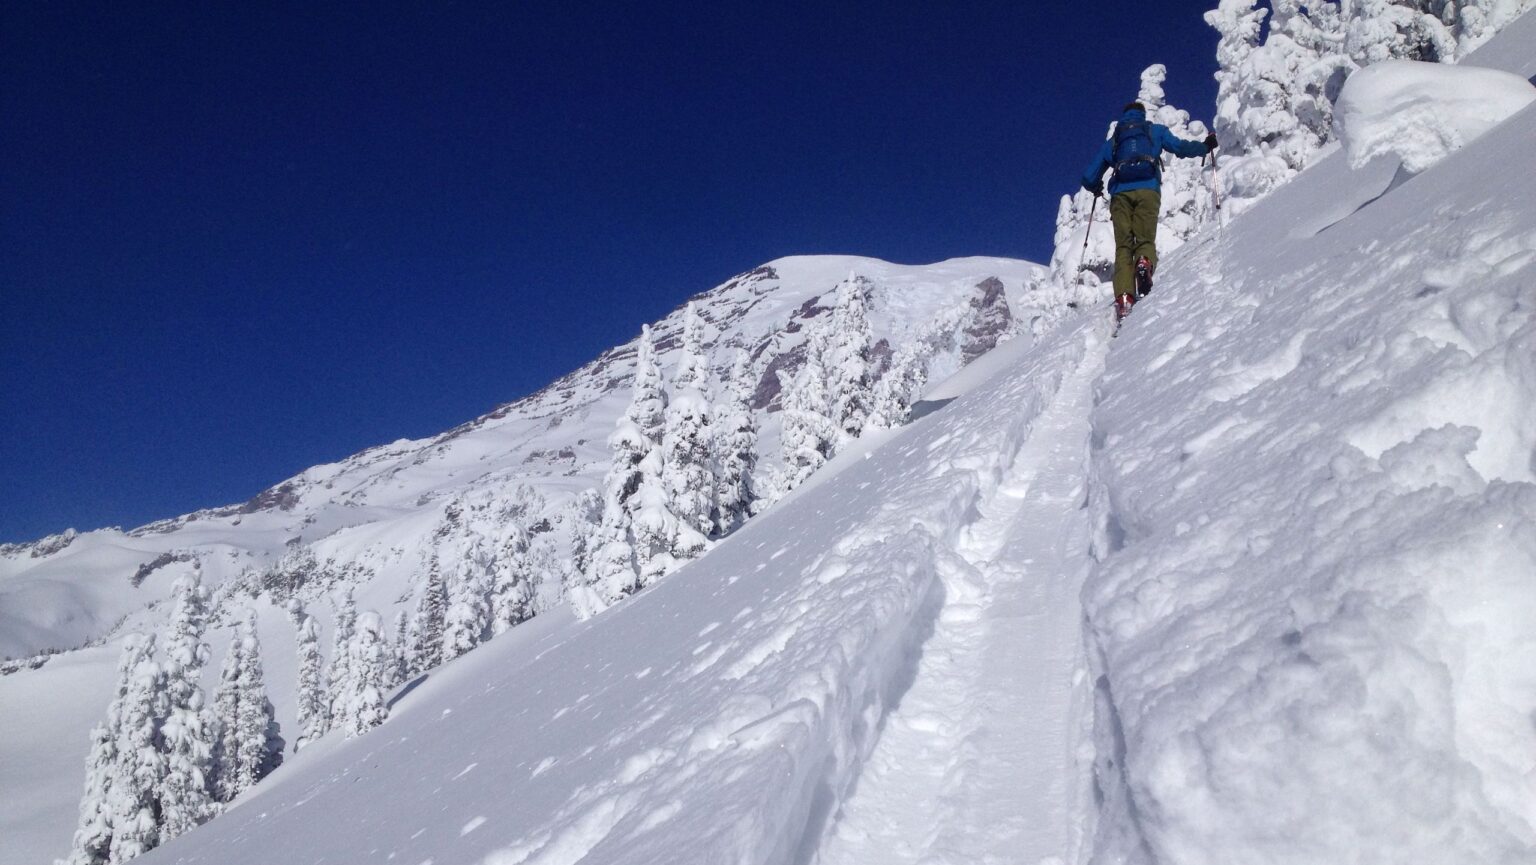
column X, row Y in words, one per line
column 1318, row 530
column 720, row 716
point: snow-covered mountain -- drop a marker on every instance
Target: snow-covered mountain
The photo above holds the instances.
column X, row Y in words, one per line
column 373, row 517
column 65, row 590
column 1250, row 582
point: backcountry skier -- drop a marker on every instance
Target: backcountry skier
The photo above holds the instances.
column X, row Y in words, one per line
column 1135, row 152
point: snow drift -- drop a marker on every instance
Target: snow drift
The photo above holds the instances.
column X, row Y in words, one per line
column 1420, row 112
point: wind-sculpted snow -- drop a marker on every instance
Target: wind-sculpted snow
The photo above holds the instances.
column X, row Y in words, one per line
column 719, row 716
column 1315, row 465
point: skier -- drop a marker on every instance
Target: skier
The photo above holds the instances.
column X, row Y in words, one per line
column 1134, row 151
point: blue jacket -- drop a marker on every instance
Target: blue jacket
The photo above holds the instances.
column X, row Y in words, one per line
column 1162, row 139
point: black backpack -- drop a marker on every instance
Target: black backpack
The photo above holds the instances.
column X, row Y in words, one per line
column 1136, row 156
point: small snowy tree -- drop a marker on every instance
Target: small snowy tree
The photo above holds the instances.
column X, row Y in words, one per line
column 92, row 843
column 401, row 648
column 363, row 705
column 187, row 735
column 736, row 448
column 344, row 609
column 313, row 709
column 687, row 470
column 430, row 621
column 512, row 602
column 900, row 387
column 846, row 360
column 468, row 618
column 810, row 435
column 248, row 745
column 141, row 768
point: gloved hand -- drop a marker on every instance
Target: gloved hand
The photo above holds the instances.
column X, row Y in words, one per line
column 1096, row 188
column 1210, row 142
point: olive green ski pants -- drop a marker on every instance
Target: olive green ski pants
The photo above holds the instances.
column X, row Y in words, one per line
column 1134, row 216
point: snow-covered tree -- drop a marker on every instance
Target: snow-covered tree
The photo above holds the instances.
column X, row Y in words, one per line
column 687, row 471
column 512, row 581
column 92, row 844
column 141, row 768
column 735, row 428
column 1398, row 30
column 900, row 387
column 344, row 611
column 468, row 618
column 187, row 735
column 248, row 745
column 614, row 571
column 362, row 694
column 401, row 648
column 430, row 621
column 313, row 703
column 810, row 435
column 846, row 359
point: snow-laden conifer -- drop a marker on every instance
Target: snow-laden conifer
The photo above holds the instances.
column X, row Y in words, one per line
column 141, row 768
column 400, row 647
column 736, row 448
column 900, row 387
column 92, row 842
column 810, row 435
column 687, row 451
column 313, row 707
column 248, row 745
column 468, row 618
column 512, row 581
column 187, row 732
column 431, row 619
column 344, row 610
column 362, row 694
column 846, row 360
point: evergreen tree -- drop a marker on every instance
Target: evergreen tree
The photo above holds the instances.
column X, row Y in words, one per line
column 431, row 620
column 362, row 694
column 141, row 768
column 512, row 601
column 344, row 610
column 736, row 449
column 687, row 472
column 93, row 837
column 615, row 566
column 809, row 436
column 187, row 734
column 313, row 709
column 467, row 619
column 847, row 365
column 248, row 746
column 401, row 648
column 900, row 387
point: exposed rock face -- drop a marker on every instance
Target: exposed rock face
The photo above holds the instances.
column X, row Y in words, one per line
column 989, row 321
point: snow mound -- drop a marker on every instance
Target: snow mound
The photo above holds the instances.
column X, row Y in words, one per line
column 1421, row 112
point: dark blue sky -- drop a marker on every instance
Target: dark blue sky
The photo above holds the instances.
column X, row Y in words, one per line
column 237, row 240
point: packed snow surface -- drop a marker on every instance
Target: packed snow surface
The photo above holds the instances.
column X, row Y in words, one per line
column 1419, row 112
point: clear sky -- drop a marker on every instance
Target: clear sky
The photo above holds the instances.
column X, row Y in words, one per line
column 237, row 240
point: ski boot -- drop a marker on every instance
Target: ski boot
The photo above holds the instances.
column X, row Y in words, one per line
column 1123, row 304
column 1143, row 277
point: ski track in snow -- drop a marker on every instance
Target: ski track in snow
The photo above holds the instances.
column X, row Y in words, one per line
column 983, row 760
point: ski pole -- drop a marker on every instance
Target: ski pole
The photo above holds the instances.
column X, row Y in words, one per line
column 1089, row 231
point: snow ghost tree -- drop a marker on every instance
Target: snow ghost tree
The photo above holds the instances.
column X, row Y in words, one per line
column 468, row 618
column 186, row 733
column 614, row 570
column 104, row 764
column 736, row 448
column 346, row 621
column 248, row 745
column 900, row 387
column 401, row 647
column 512, row 601
column 313, row 705
column 431, row 619
column 846, row 360
column 141, row 768
column 362, row 695
column 688, row 472
column 810, row 435
column 1186, row 197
